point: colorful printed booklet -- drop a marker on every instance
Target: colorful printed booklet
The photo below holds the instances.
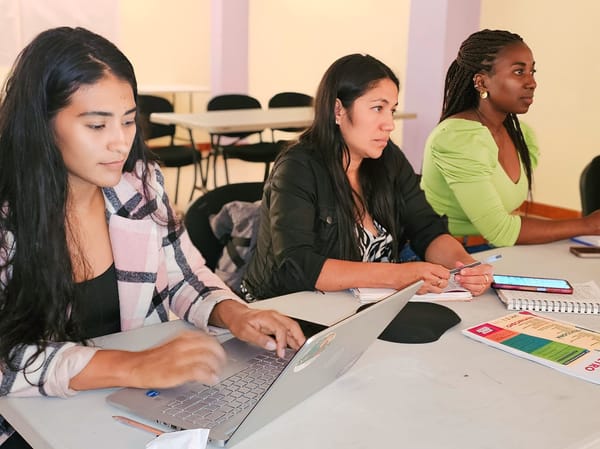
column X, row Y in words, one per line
column 563, row 346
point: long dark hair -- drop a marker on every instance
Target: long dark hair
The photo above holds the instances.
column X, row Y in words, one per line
column 476, row 55
column 36, row 275
column 347, row 79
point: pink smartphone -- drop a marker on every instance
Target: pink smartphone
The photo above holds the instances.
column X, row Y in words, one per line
column 532, row 284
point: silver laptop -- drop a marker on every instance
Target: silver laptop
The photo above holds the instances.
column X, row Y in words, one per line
column 258, row 386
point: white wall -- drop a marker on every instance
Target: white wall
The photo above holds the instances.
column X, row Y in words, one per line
column 291, row 42
column 565, row 116
column 168, row 42
column 22, row 20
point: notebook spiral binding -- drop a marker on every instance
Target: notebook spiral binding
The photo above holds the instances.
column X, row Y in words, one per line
column 542, row 305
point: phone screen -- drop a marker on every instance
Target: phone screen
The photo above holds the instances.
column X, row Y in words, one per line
column 532, row 283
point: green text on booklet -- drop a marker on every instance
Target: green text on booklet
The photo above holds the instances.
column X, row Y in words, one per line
column 560, row 345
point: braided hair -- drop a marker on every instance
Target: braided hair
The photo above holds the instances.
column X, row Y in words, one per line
column 478, row 54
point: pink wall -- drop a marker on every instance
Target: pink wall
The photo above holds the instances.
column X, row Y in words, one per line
column 229, row 46
column 437, row 28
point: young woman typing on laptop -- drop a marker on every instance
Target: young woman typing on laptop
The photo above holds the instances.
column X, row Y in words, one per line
column 345, row 198
column 89, row 244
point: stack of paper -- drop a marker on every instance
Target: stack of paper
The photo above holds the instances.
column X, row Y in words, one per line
column 454, row 293
column 366, row 295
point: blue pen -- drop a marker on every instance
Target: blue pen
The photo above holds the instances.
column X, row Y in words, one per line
column 490, row 259
column 581, row 241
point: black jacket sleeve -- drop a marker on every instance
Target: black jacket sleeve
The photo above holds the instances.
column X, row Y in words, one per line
column 296, row 229
column 420, row 222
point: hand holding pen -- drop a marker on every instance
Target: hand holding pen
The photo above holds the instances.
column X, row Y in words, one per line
column 476, row 281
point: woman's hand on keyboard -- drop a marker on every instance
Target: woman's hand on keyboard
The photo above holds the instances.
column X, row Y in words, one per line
column 265, row 328
column 191, row 356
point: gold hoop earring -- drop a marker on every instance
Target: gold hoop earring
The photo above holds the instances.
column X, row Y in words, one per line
column 483, row 94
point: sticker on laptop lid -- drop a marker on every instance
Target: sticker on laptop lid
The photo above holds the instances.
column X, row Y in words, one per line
column 314, row 352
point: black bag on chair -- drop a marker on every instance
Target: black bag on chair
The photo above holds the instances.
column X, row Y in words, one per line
column 236, row 227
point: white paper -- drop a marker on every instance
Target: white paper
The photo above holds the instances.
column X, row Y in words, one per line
column 453, row 292
column 184, row 439
column 370, row 294
column 590, row 240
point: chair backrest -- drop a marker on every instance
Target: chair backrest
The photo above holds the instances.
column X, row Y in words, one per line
column 147, row 104
column 589, row 187
column 234, row 101
column 289, row 100
column 197, row 216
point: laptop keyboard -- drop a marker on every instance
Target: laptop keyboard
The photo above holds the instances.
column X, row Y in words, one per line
column 211, row 406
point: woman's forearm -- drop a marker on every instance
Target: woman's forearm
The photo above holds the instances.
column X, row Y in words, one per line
column 446, row 250
column 190, row 356
column 341, row 274
column 107, row 368
column 539, row 230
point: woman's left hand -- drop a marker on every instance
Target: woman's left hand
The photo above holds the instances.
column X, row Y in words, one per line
column 475, row 279
column 265, row 328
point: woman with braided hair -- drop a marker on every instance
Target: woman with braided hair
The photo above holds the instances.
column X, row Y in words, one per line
column 479, row 160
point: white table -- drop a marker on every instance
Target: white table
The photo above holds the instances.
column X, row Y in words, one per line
column 242, row 120
column 455, row 393
column 234, row 120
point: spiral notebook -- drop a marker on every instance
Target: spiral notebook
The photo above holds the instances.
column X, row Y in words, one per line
column 585, row 299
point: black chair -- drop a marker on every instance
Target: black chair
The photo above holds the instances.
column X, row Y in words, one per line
column 589, row 187
column 197, row 215
column 264, row 152
column 289, row 100
column 170, row 155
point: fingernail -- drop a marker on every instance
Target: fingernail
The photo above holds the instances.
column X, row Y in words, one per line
column 271, row 345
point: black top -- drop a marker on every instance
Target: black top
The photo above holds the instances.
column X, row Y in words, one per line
column 97, row 302
column 299, row 226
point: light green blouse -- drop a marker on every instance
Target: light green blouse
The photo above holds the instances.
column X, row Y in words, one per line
column 463, row 180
